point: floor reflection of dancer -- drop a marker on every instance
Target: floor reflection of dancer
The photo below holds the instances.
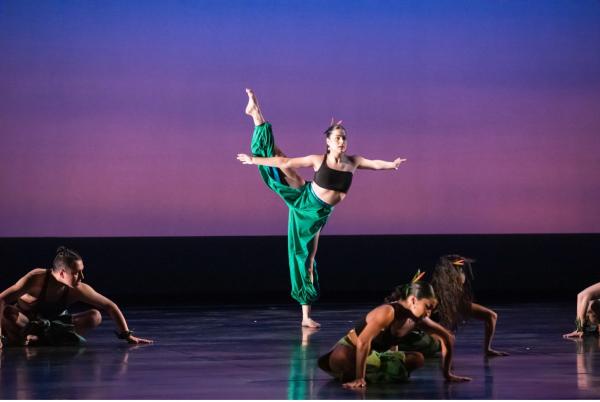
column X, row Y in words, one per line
column 41, row 297
column 588, row 312
column 309, row 203
column 368, row 352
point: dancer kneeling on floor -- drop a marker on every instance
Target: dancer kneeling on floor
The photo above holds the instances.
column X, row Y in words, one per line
column 366, row 354
column 39, row 315
column 451, row 280
column 587, row 321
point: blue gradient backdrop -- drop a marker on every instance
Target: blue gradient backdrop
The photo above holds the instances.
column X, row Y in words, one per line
column 123, row 118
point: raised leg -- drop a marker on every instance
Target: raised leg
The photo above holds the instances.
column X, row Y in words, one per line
column 292, row 177
column 252, row 108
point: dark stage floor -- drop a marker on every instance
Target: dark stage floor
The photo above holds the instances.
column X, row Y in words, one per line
column 258, row 353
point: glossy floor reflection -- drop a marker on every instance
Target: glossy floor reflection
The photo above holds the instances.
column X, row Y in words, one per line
column 261, row 353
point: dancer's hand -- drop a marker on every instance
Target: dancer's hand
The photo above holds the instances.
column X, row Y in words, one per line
column 574, row 334
column 134, row 340
column 245, row 159
column 358, row 383
column 493, row 353
column 456, row 378
column 397, row 162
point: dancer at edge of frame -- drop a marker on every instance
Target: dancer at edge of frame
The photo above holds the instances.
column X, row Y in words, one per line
column 369, row 352
column 39, row 315
column 309, row 203
column 588, row 312
column 451, row 280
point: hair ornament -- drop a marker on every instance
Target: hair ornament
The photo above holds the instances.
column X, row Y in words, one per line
column 418, row 276
column 333, row 123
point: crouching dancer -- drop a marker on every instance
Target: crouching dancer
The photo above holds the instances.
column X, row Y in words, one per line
column 368, row 353
column 33, row 312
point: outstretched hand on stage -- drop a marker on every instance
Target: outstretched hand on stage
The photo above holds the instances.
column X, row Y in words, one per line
column 134, row 340
column 356, row 384
column 574, row 334
column 457, row 378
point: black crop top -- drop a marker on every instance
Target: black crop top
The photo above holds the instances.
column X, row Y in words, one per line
column 385, row 339
column 333, row 179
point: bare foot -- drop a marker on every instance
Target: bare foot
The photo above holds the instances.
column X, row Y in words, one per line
column 310, row 323
column 252, row 108
column 31, row 340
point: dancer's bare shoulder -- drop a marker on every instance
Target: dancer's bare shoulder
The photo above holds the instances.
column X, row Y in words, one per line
column 28, row 283
column 33, row 277
column 382, row 314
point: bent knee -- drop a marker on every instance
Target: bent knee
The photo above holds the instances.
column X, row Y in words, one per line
column 10, row 313
column 95, row 317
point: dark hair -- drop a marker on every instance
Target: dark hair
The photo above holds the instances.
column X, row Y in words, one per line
column 454, row 297
column 419, row 289
column 595, row 307
column 65, row 258
column 331, row 128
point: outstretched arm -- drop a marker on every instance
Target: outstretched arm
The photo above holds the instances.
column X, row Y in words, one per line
column 364, row 163
column 432, row 327
column 86, row 294
column 489, row 319
column 281, row 162
column 583, row 299
column 377, row 319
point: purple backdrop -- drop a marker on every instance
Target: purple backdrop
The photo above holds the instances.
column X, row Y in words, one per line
column 124, row 118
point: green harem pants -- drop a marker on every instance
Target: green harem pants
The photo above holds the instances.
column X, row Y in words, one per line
column 307, row 215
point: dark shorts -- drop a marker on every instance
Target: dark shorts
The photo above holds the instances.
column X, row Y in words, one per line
column 58, row 331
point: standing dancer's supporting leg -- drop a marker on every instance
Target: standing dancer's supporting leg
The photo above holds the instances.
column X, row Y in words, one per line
column 307, row 213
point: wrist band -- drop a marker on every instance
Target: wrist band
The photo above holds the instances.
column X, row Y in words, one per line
column 124, row 334
column 578, row 325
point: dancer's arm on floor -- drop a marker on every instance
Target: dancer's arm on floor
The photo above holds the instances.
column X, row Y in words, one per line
column 282, row 162
column 22, row 286
column 364, row 163
column 85, row 293
column 583, row 299
column 377, row 320
column 447, row 340
column 489, row 318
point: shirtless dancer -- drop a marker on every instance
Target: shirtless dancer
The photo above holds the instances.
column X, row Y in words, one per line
column 33, row 310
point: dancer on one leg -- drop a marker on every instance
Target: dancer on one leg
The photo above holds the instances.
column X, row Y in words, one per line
column 588, row 312
column 39, row 314
column 309, row 203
